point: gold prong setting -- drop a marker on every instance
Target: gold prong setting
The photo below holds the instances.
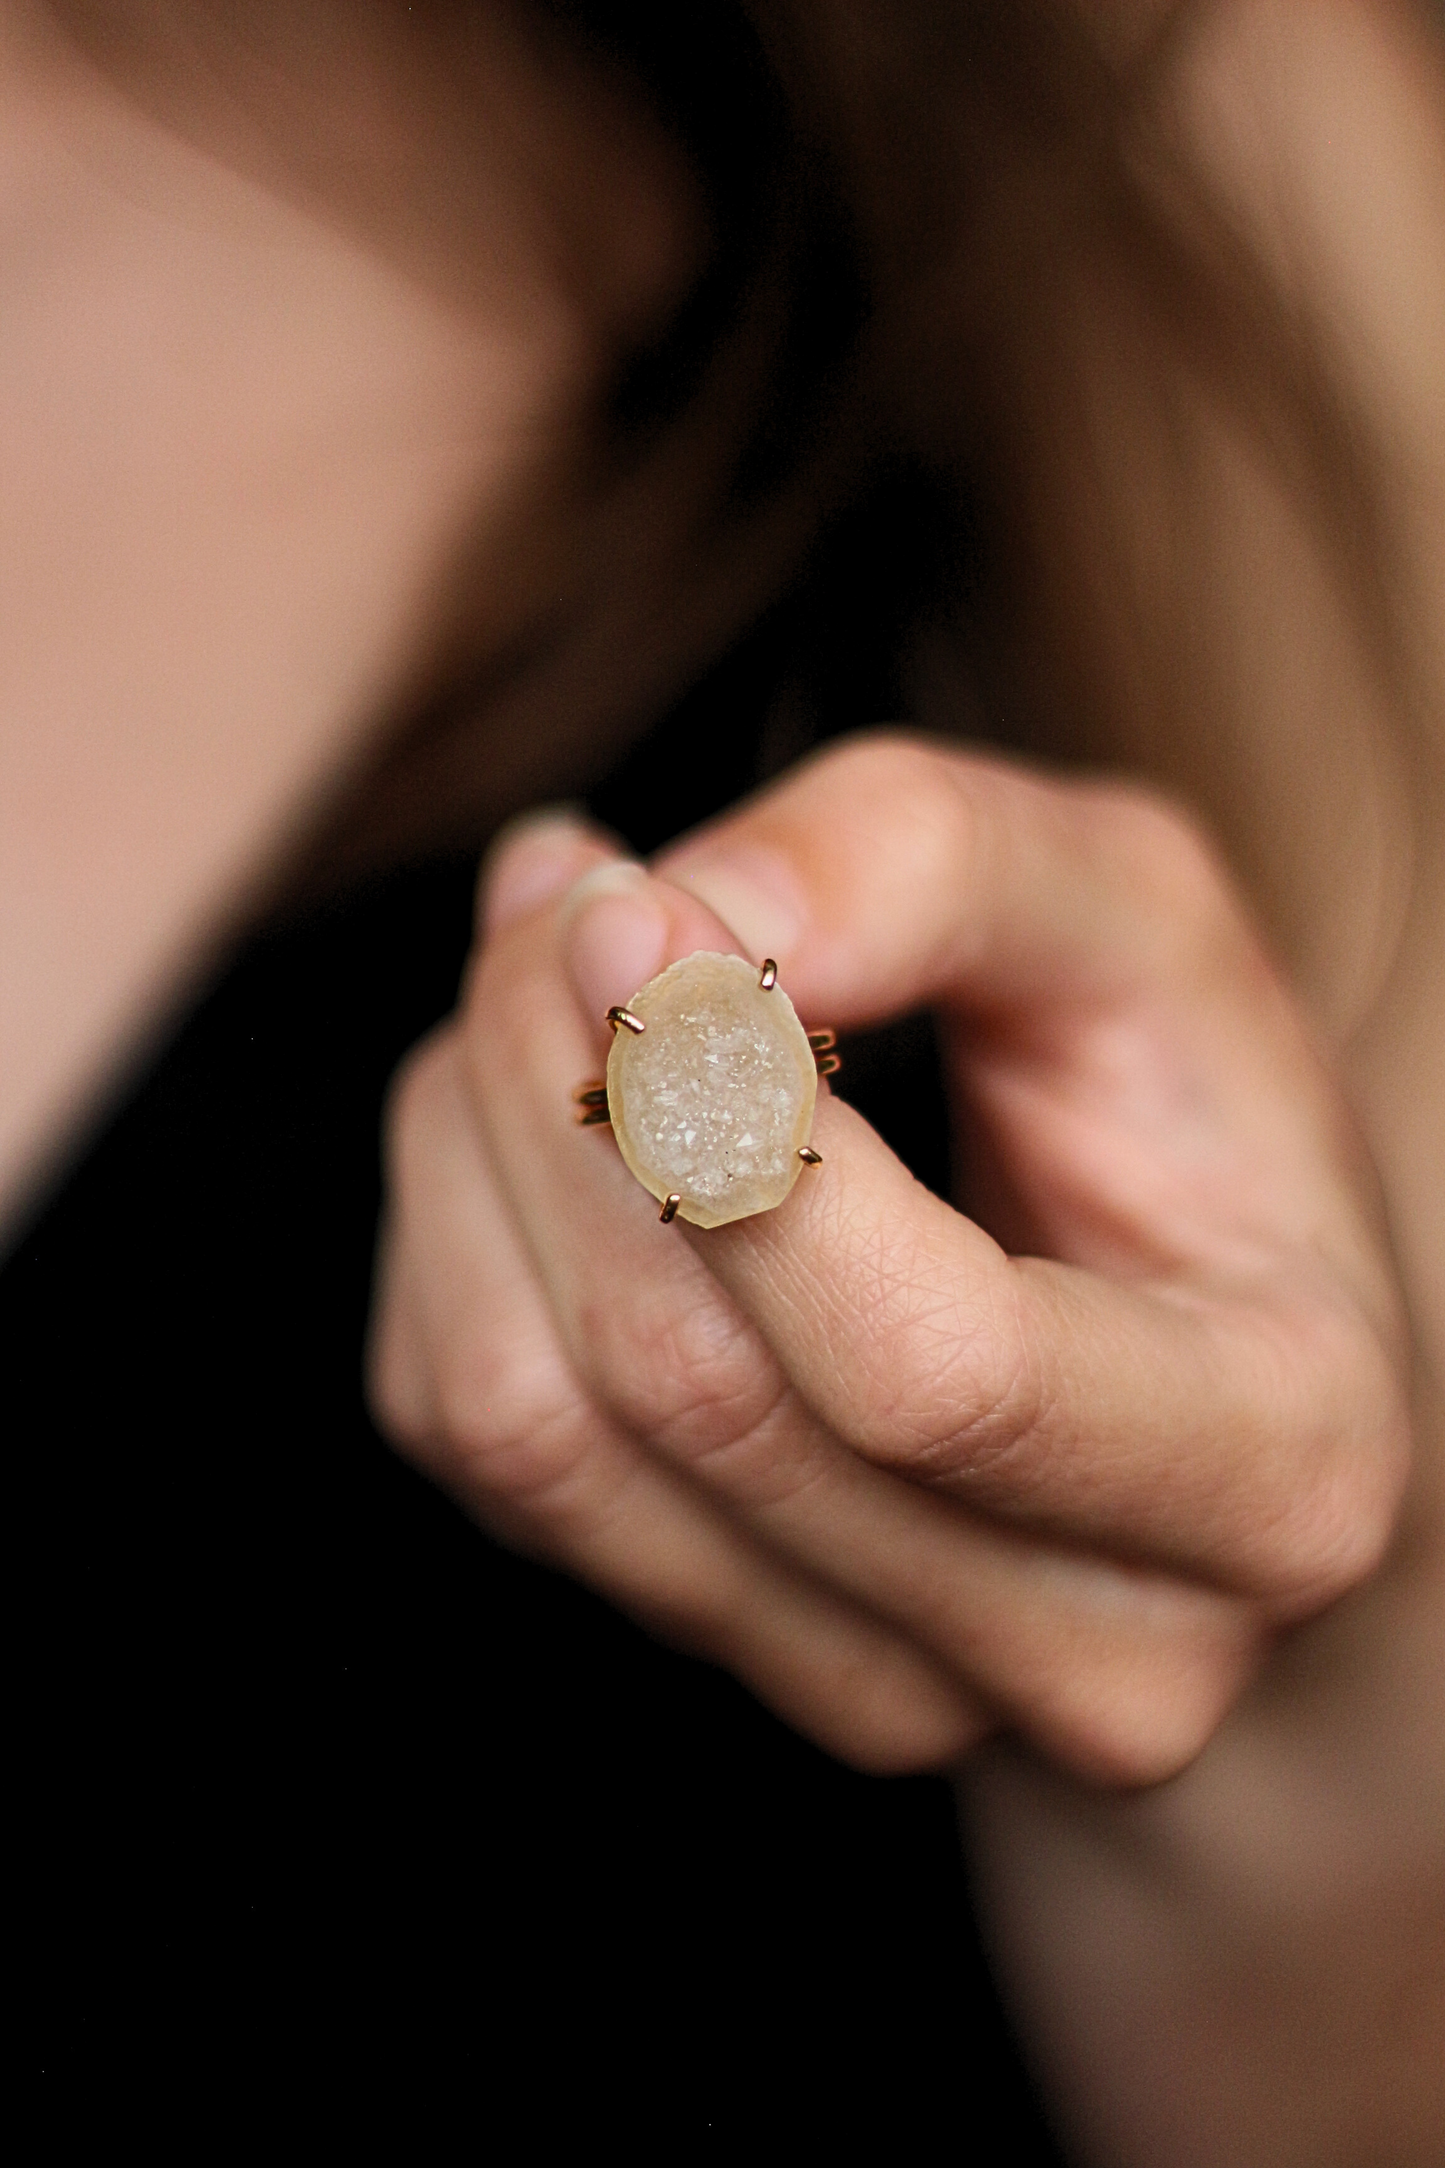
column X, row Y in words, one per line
column 590, row 1101
column 824, row 1043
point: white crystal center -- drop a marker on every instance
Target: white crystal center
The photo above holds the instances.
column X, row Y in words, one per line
column 713, row 1100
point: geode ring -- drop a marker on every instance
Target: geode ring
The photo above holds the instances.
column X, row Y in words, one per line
column 710, row 1088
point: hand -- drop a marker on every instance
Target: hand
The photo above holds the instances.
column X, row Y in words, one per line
column 909, row 1479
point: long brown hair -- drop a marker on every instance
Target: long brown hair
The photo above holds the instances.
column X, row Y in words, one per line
column 911, row 204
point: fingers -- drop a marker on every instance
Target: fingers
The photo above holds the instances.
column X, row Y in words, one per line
column 1222, row 1386
column 887, row 873
column 1234, row 1434
column 1235, row 1440
column 1069, row 930
column 1113, row 1670
column 467, row 1371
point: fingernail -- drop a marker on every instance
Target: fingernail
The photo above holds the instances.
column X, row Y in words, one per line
column 532, row 860
column 614, row 935
column 753, row 890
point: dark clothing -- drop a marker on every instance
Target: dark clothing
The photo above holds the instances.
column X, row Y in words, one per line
column 325, row 1791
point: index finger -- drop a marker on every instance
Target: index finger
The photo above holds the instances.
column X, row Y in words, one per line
column 1068, row 933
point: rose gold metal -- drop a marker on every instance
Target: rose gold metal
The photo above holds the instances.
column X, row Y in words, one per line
column 823, row 1040
column 591, row 1103
column 669, row 1210
column 623, row 1019
column 768, row 976
column 828, row 1064
column 809, row 1157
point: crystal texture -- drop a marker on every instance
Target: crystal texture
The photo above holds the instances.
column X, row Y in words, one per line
column 714, row 1099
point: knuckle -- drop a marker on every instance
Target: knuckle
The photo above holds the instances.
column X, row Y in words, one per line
column 507, row 1418
column 1004, row 1407
column 1160, row 841
column 887, row 1733
column 1144, row 1717
column 1333, row 1528
column 955, row 1389
column 1331, row 1464
column 887, row 764
column 1139, row 1740
column 1174, row 873
column 923, row 797
column 690, row 1378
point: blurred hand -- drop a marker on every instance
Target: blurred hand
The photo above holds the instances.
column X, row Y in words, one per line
column 913, row 1480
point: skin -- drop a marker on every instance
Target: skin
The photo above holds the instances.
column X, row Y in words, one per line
column 1104, row 1503
column 329, row 345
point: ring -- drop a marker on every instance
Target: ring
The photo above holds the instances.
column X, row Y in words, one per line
column 710, row 1089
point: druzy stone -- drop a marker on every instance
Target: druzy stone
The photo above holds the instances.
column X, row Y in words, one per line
column 715, row 1097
